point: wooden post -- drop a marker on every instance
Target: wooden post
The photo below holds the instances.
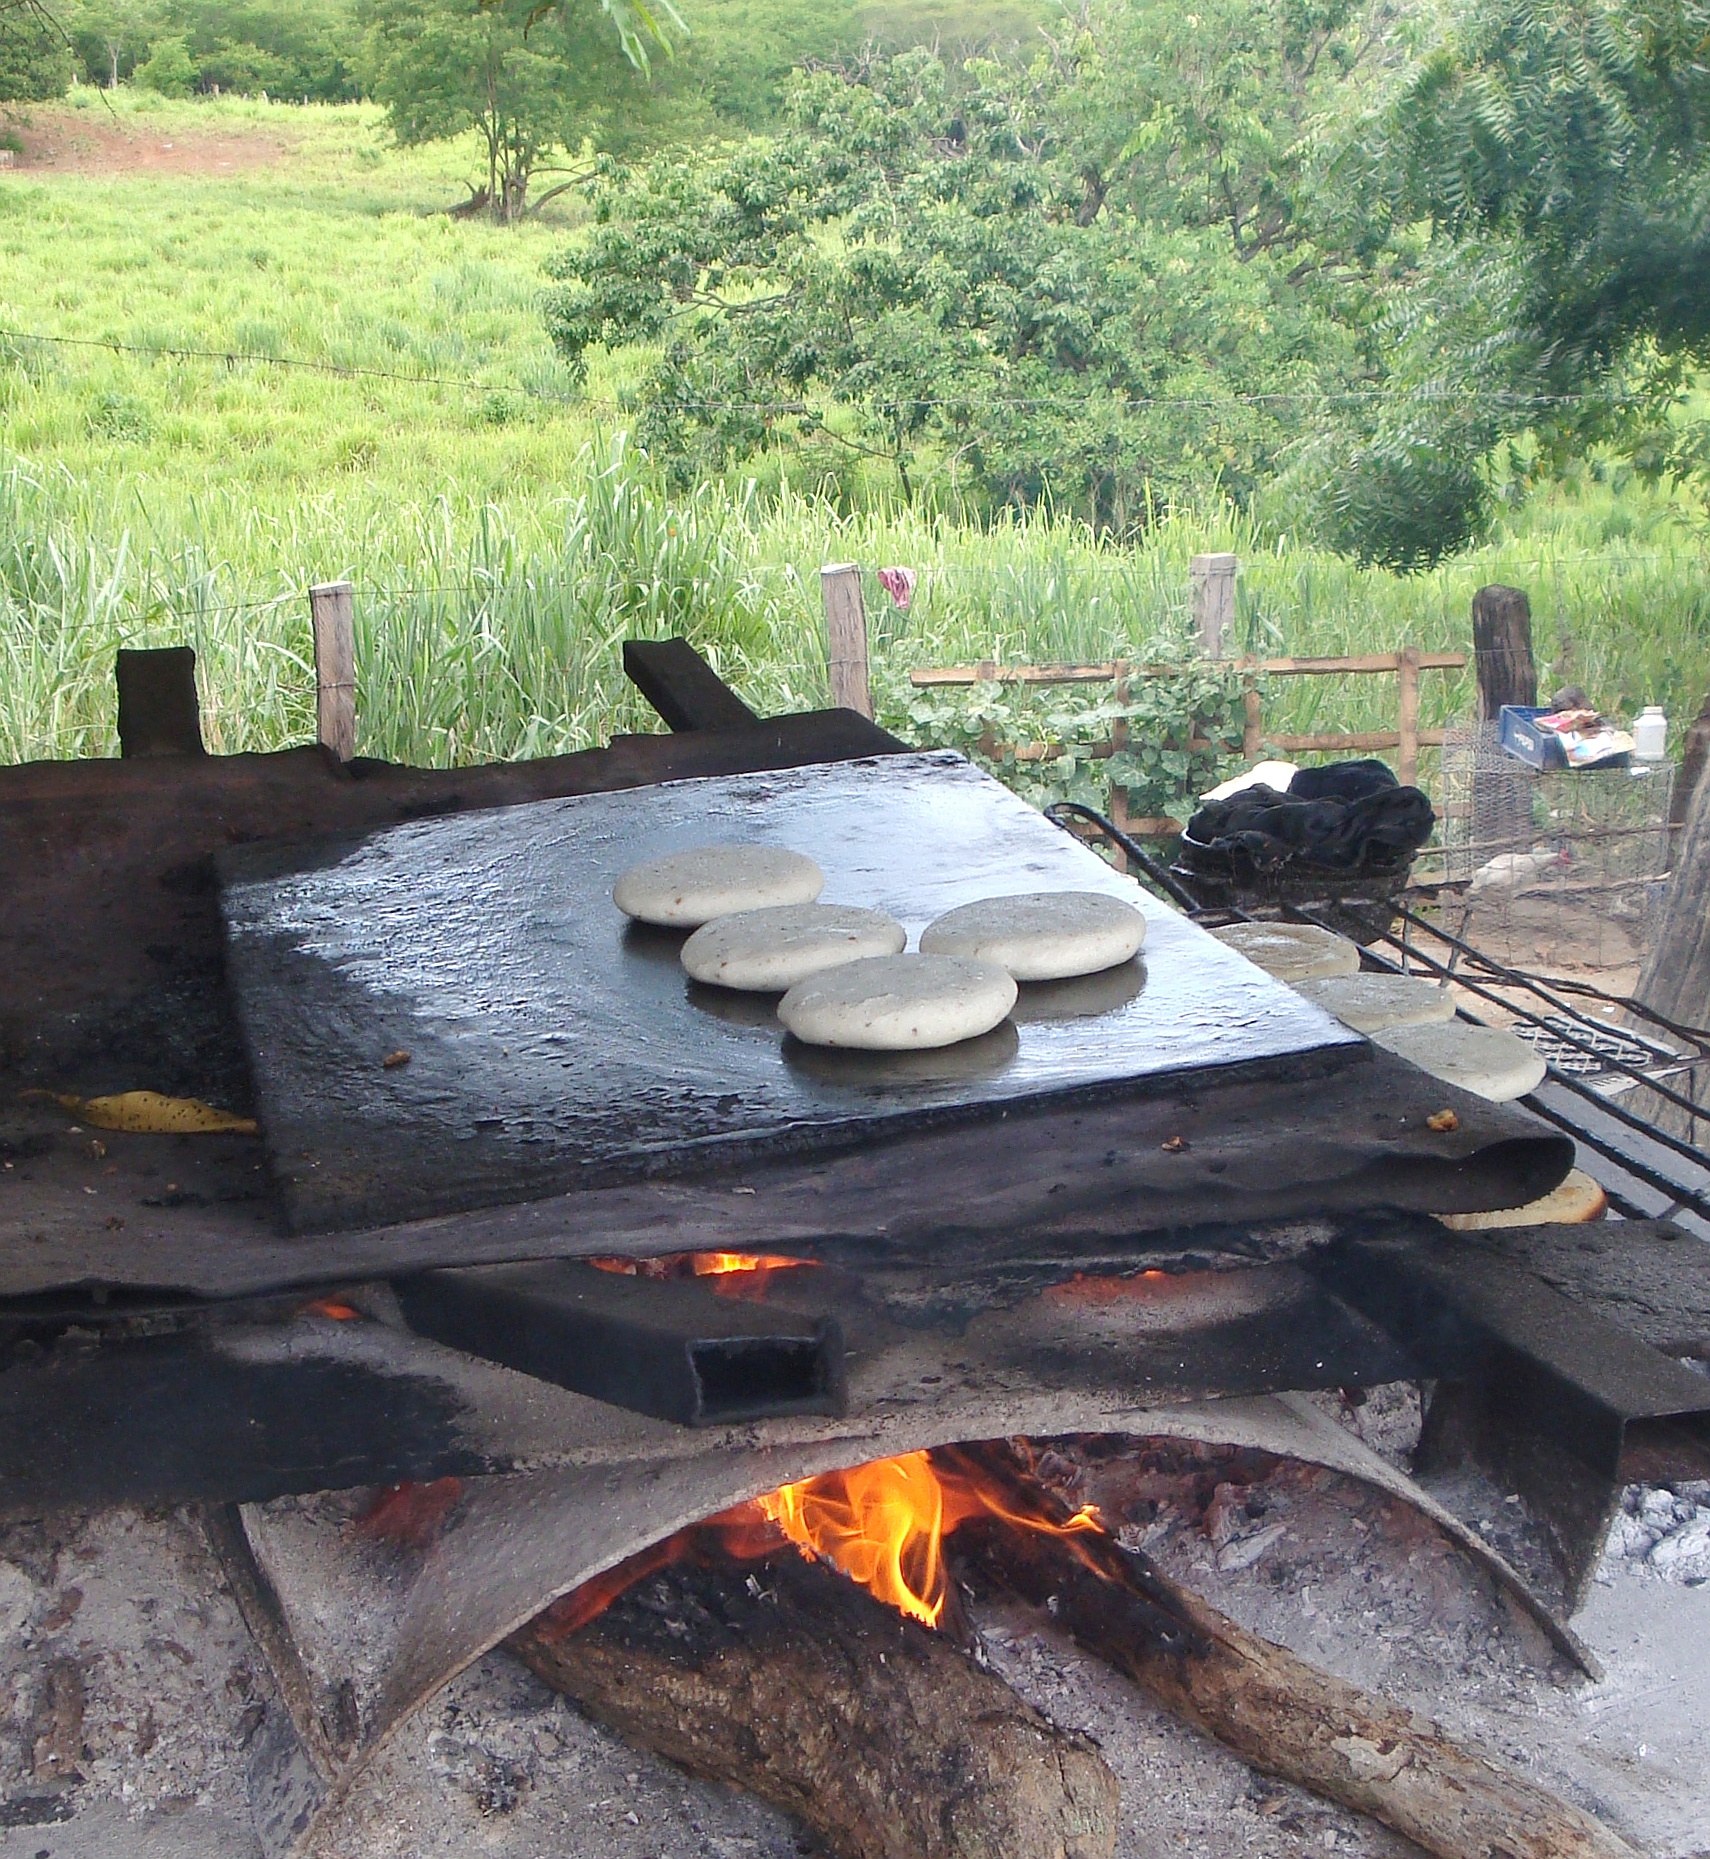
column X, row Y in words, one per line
column 1675, row 980
column 1694, row 757
column 335, row 667
column 846, row 636
column 158, row 713
column 1252, row 730
column 1502, row 650
column 1407, row 751
column 1212, row 579
column 1119, row 819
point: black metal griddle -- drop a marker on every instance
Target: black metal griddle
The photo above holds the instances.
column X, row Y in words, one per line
column 552, row 1047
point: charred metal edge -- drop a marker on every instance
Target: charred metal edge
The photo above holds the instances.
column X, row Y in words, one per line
column 1550, row 1397
column 675, row 1350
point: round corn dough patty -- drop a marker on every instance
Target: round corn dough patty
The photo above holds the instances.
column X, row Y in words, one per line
column 683, row 890
column 1579, row 1198
column 1291, row 952
column 1040, row 935
column 1484, row 1060
column 1371, row 1003
column 766, row 951
column 898, row 1003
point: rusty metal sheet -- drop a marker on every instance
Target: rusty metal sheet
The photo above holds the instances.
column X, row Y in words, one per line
column 552, row 1048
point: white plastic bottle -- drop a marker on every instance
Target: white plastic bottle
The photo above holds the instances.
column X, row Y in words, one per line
column 1650, row 734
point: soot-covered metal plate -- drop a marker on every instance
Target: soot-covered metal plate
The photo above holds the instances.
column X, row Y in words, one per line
column 551, row 1046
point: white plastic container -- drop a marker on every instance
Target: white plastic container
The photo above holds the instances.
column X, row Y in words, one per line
column 1650, row 734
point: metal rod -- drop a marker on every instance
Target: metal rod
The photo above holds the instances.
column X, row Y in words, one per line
column 1681, row 1195
column 1171, row 888
column 1513, row 978
column 1687, row 1151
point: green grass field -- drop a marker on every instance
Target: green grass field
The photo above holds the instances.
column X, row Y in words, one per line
column 502, row 538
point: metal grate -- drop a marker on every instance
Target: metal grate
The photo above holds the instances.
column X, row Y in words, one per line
column 1561, row 1043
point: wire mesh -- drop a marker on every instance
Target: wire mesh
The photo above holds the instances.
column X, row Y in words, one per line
column 1563, row 868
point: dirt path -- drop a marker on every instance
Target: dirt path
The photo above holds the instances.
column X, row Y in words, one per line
column 91, row 142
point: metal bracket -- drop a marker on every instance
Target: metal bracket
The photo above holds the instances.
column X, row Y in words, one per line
column 1554, row 1400
column 675, row 1349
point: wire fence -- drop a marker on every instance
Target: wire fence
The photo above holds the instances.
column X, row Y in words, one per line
column 1293, row 399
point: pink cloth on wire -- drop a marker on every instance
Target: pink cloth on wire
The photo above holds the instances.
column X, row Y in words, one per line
column 899, row 584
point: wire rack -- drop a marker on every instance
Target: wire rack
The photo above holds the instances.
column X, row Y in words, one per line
column 1563, row 869
column 1635, row 1096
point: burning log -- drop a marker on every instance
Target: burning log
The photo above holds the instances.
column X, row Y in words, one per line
column 1275, row 1711
column 789, row 1681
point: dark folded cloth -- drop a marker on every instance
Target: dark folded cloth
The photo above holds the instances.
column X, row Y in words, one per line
column 1345, row 817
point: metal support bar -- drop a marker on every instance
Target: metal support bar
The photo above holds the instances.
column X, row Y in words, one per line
column 673, row 1349
column 1060, row 812
column 1557, row 1401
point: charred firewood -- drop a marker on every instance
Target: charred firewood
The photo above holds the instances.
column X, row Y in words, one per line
column 1277, row 1712
column 882, row 1736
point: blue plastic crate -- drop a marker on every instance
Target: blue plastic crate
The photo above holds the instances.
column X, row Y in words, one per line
column 1520, row 737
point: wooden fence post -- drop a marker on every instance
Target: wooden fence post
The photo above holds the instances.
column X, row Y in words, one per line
column 335, row 667
column 846, row 636
column 1407, row 727
column 1212, row 580
column 1502, row 650
column 1252, row 722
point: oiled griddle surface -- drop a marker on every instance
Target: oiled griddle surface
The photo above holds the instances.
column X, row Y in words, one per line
column 551, row 1046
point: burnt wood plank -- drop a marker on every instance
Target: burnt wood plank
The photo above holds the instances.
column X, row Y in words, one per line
column 1062, row 1182
column 158, row 711
column 111, row 952
column 682, row 686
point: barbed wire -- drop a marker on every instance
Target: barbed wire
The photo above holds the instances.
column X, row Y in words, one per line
column 970, row 403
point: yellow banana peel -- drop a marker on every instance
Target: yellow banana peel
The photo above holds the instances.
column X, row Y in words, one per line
column 149, row 1113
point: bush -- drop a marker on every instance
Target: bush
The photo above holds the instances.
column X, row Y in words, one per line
column 168, row 69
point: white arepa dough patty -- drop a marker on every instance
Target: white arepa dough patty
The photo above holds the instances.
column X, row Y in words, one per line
column 1040, row 935
column 1291, row 952
column 766, row 951
column 1481, row 1059
column 683, row 890
column 1371, row 1003
column 899, row 1003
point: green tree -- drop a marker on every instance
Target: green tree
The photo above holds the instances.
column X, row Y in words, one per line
column 531, row 80
column 903, row 275
column 35, row 58
column 168, row 68
column 1559, row 153
column 110, row 38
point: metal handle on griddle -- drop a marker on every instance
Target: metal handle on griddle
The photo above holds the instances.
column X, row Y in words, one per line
column 1149, row 865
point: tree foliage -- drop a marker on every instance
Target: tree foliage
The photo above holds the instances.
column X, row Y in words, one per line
column 35, row 61
column 1322, row 255
column 908, row 271
column 529, row 79
column 1559, row 150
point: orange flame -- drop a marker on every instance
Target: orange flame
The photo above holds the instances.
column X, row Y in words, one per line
column 735, row 1274
column 883, row 1524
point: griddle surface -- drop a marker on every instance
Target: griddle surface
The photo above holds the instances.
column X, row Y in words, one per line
column 552, row 1046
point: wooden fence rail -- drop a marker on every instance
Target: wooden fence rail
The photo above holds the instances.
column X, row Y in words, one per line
column 1406, row 739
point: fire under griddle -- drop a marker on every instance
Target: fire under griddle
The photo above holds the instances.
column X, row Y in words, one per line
column 452, row 1014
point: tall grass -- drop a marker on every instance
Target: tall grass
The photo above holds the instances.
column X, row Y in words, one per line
column 501, row 550
column 493, row 630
